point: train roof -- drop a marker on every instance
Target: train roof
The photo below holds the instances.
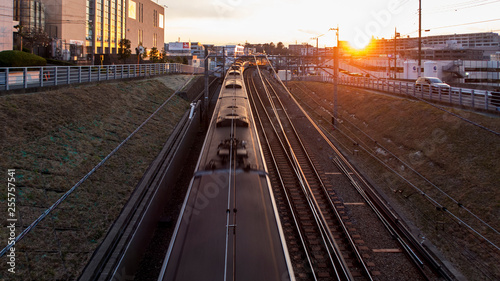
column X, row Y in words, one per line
column 233, row 110
column 233, row 83
column 235, row 72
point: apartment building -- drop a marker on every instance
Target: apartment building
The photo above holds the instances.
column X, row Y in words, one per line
column 465, row 46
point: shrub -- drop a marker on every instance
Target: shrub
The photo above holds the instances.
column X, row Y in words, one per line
column 16, row 58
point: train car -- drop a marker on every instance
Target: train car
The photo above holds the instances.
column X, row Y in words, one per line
column 229, row 228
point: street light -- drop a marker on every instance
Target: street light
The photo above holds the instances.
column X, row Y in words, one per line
column 396, row 35
column 312, row 38
column 335, row 74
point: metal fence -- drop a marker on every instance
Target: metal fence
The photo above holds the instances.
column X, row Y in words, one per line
column 479, row 99
column 28, row 77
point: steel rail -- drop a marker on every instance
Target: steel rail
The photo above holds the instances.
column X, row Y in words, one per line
column 374, row 195
column 327, row 196
column 318, row 215
column 290, row 205
column 301, row 184
column 324, row 227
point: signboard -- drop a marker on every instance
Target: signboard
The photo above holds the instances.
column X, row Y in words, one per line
column 131, row 9
column 179, row 46
column 76, row 42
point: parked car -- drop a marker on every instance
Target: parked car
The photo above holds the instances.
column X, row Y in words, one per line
column 424, row 83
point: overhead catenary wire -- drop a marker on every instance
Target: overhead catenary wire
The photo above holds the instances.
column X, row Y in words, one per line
column 456, row 25
column 330, row 244
column 430, row 198
column 459, row 204
column 460, row 6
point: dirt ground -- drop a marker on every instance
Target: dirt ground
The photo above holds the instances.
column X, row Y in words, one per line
column 423, row 159
column 52, row 139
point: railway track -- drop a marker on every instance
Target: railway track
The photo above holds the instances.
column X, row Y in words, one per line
column 320, row 243
column 428, row 266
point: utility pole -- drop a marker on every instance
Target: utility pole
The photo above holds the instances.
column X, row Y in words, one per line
column 396, row 35
column 335, row 75
column 419, row 37
column 286, row 69
column 223, row 62
column 94, row 38
column 205, row 100
column 316, row 53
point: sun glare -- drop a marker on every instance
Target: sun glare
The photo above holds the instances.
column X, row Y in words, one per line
column 355, row 49
column 356, row 45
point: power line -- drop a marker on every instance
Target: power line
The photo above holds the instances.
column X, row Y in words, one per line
column 433, row 200
column 462, row 24
column 465, row 5
column 455, row 25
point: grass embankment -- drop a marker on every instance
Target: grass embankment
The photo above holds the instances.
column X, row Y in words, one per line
column 458, row 158
column 52, row 139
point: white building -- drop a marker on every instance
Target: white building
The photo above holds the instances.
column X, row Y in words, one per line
column 235, row 50
column 197, row 49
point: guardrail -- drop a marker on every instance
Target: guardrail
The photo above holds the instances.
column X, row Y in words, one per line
column 29, row 77
column 478, row 99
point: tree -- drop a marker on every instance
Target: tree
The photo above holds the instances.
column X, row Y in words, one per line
column 32, row 37
column 124, row 50
column 20, row 34
column 145, row 53
column 280, row 48
column 154, row 55
column 163, row 55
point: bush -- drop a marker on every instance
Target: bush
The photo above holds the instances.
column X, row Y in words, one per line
column 20, row 59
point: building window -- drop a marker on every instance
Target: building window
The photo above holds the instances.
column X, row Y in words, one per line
column 132, row 9
column 140, row 12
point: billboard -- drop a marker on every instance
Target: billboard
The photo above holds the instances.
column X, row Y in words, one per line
column 179, row 46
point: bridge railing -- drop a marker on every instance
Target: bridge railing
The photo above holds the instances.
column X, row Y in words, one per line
column 464, row 97
column 28, row 77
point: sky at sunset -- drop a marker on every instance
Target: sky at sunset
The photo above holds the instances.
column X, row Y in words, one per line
column 298, row 21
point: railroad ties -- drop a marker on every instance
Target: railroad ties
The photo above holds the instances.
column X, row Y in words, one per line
column 321, row 245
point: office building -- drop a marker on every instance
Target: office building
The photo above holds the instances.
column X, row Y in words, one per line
column 82, row 29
